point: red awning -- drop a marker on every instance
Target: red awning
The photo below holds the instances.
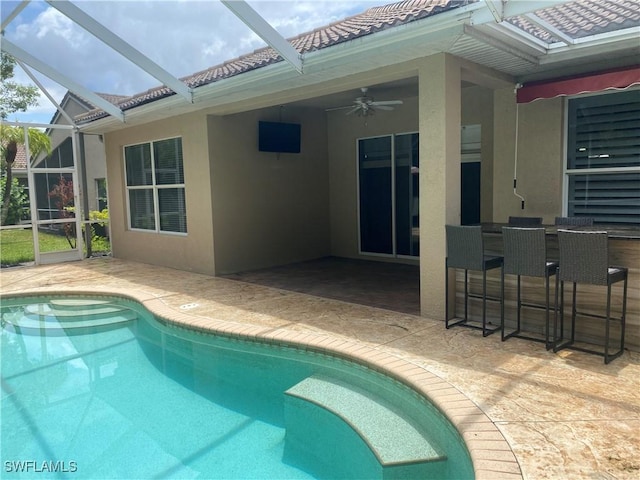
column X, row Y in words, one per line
column 584, row 84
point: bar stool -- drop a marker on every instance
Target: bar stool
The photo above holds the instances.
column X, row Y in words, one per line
column 575, row 221
column 465, row 250
column 525, row 254
column 584, row 258
column 525, row 221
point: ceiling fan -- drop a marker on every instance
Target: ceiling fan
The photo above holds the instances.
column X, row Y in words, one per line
column 365, row 105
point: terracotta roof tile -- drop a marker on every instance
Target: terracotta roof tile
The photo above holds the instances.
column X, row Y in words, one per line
column 577, row 19
column 20, row 163
column 583, row 18
column 111, row 98
column 371, row 21
column 21, row 158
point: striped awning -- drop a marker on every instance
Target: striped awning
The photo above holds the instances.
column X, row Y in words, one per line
column 595, row 82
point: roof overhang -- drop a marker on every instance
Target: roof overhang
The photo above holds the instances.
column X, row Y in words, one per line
column 493, row 52
column 325, row 70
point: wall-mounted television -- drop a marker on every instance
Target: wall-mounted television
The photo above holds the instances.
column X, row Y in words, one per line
column 279, row 137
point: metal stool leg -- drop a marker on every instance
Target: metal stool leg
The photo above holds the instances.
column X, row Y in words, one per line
column 546, row 323
column 484, row 303
column 607, row 328
column 446, row 295
column 466, row 295
column 502, row 326
column 519, row 300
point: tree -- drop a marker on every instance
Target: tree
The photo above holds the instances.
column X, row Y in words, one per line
column 13, row 98
column 10, row 138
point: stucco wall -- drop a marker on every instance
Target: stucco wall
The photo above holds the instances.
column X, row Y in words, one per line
column 540, row 157
column 193, row 252
column 96, row 166
column 268, row 208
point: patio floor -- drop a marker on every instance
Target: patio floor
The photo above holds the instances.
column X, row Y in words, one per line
column 564, row 415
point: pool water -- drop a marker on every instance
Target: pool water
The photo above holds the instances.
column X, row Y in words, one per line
column 117, row 394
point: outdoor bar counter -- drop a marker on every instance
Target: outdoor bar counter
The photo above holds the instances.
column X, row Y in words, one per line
column 624, row 250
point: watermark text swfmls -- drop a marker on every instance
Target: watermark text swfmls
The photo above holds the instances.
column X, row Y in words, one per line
column 45, row 466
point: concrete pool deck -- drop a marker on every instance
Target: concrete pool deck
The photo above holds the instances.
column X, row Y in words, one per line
column 524, row 412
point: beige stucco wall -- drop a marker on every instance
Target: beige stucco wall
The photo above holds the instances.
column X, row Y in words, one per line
column 268, row 208
column 540, row 157
column 191, row 252
column 440, row 138
column 95, row 165
column 264, row 209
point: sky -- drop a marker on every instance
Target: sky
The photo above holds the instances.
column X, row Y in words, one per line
column 182, row 36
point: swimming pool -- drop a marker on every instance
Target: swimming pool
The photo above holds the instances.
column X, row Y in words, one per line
column 99, row 388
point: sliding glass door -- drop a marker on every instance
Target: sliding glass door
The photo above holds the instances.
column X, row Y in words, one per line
column 388, row 195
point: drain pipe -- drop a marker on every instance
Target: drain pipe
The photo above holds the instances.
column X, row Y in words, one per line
column 515, row 161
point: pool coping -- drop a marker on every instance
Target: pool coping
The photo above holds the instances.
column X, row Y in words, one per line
column 491, row 454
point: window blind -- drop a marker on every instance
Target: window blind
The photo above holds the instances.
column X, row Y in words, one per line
column 603, row 157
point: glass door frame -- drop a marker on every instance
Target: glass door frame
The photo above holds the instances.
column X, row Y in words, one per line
column 393, row 191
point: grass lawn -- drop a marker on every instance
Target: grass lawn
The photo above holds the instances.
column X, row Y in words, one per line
column 16, row 246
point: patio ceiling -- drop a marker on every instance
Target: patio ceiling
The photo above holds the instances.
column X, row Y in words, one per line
column 520, row 41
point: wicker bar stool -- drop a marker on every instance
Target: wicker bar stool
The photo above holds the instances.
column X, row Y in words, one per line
column 525, row 254
column 575, row 221
column 465, row 250
column 584, row 258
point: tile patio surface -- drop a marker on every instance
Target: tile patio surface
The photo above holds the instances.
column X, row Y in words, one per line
column 524, row 412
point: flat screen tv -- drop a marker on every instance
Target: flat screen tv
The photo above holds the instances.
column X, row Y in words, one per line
column 279, row 137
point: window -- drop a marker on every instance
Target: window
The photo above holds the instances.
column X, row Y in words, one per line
column 61, row 157
column 603, row 157
column 155, row 186
column 101, row 193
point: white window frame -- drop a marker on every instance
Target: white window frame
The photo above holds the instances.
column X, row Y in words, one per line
column 154, row 187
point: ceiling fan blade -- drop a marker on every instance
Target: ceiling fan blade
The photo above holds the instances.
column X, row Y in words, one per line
column 387, row 102
column 354, row 110
column 338, row 108
column 382, row 107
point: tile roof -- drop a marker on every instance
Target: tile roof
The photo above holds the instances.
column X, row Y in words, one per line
column 577, row 19
column 371, row 21
column 20, row 163
column 111, row 98
column 583, row 18
column 89, row 107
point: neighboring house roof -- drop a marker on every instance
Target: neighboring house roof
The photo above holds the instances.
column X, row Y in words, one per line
column 576, row 20
column 20, row 163
column 111, row 98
